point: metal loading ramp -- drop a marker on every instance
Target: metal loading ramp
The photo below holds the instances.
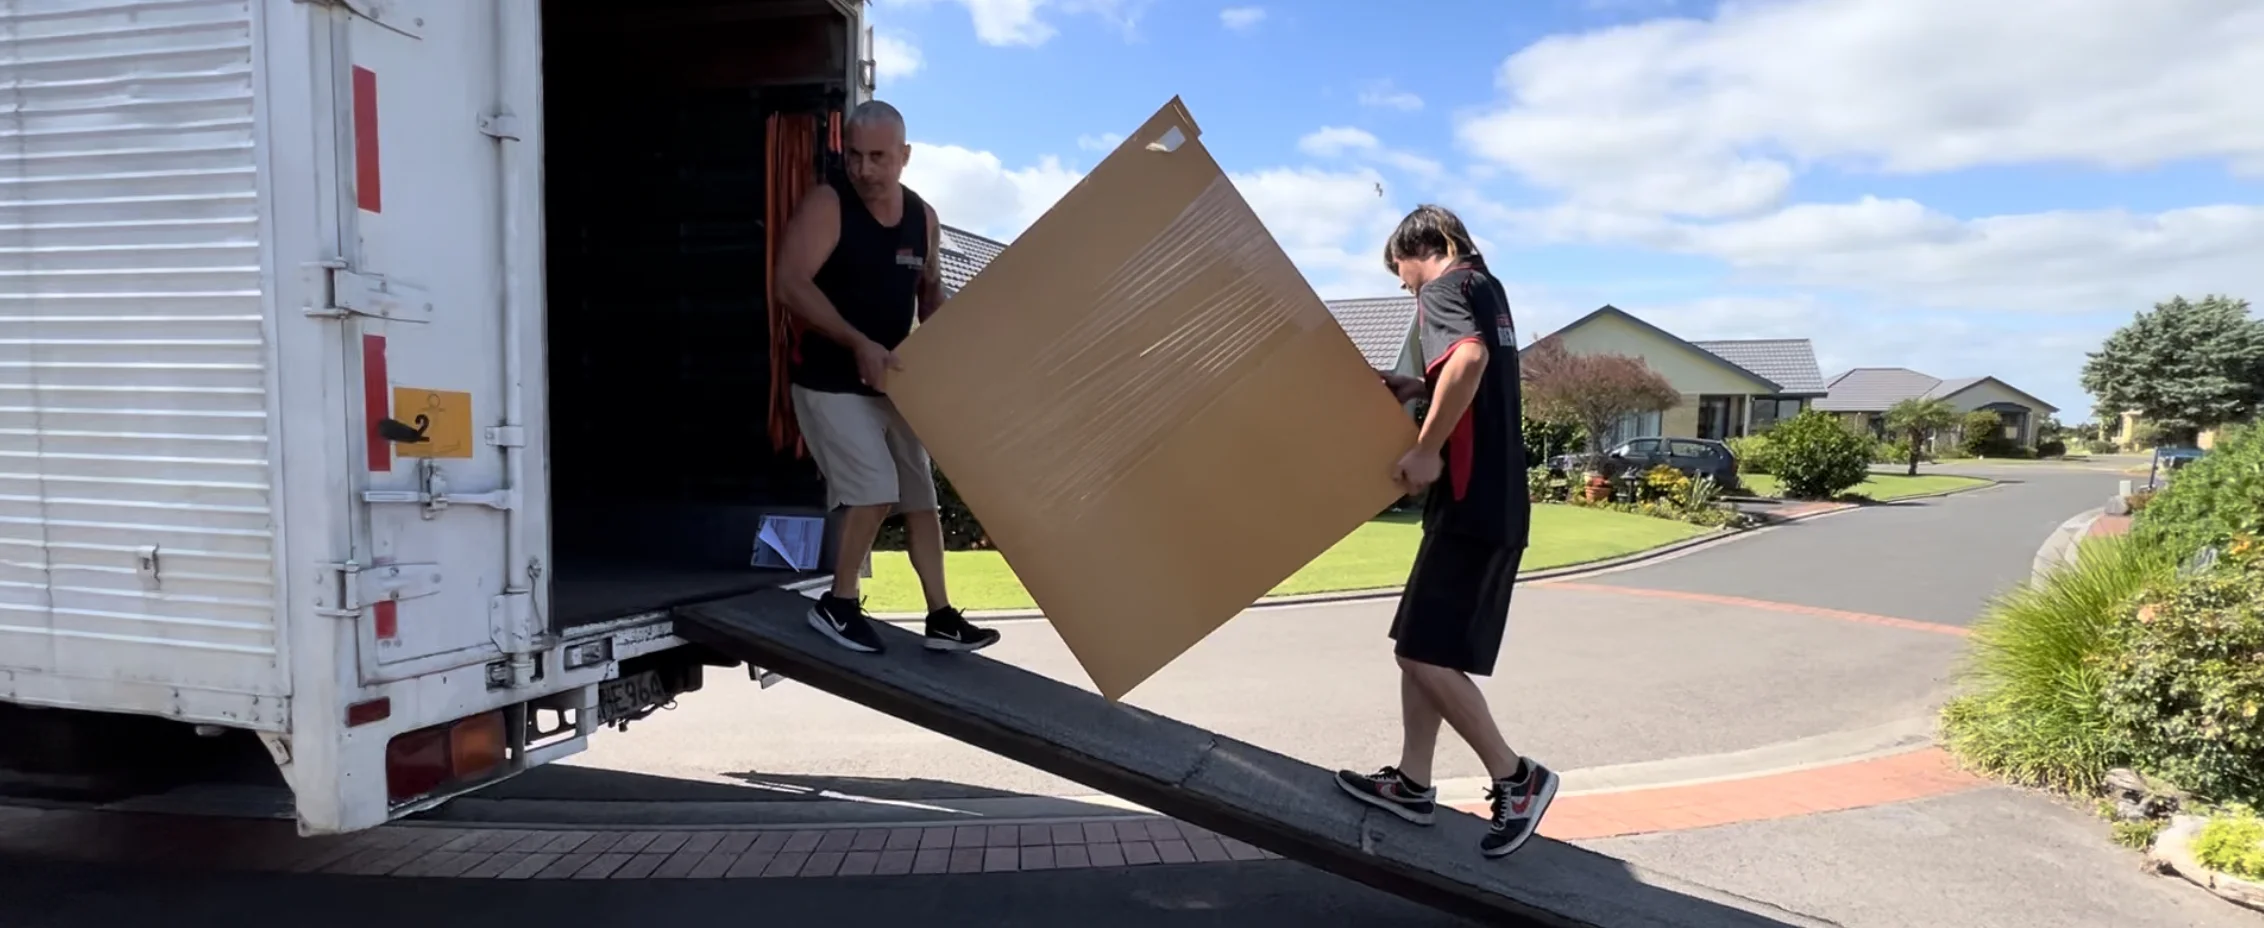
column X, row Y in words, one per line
column 1271, row 801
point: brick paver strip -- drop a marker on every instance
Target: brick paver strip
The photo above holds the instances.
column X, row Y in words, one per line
column 1764, row 605
column 415, row 851
column 1897, row 778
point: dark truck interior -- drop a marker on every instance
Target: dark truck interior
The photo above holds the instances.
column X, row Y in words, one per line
column 663, row 162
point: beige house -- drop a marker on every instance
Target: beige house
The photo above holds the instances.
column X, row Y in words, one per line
column 2132, row 426
column 1729, row 388
column 1862, row 397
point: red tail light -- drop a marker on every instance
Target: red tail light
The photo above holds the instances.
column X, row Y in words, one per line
column 421, row 762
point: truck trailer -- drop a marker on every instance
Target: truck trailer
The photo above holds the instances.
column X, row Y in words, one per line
column 376, row 375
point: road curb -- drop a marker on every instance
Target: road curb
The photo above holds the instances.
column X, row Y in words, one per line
column 2060, row 546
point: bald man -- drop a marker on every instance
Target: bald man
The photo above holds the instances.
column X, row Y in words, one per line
column 858, row 264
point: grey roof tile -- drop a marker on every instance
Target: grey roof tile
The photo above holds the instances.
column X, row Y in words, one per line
column 1951, row 386
column 1378, row 325
column 1874, row 389
column 1791, row 362
column 964, row 255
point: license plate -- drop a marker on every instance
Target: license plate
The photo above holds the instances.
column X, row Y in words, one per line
column 621, row 698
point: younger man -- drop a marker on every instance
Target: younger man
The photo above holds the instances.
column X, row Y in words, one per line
column 1475, row 524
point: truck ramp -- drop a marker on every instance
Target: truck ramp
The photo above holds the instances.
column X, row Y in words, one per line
column 1269, row 800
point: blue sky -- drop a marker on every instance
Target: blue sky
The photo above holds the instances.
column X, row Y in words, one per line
column 1906, row 182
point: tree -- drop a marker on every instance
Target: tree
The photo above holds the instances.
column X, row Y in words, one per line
column 1982, row 433
column 1819, row 458
column 1591, row 390
column 1916, row 420
column 2184, row 366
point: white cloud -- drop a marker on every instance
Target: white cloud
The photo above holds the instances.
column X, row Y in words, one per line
column 1242, row 18
column 895, row 56
column 1335, row 141
column 1331, row 223
column 1019, row 22
column 975, row 191
column 1712, row 117
column 1383, row 95
column 1106, row 141
column 1350, row 142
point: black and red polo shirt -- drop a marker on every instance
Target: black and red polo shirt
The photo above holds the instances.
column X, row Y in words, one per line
column 1481, row 494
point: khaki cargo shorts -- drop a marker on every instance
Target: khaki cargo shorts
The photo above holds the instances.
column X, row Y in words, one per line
column 865, row 450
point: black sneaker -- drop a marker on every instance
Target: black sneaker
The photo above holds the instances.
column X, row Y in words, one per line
column 1519, row 802
column 950, row 631
column 1387, row 789
column 845, row 621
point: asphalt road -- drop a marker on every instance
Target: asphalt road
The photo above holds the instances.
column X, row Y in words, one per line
column 1935, row 560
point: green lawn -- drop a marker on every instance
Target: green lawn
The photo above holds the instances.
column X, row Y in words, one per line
column 1374, row 556
column 1881, row 487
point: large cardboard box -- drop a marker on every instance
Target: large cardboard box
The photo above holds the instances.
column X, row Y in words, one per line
column 1149, row 409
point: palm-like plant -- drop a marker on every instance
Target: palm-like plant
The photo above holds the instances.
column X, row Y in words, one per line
column 1916, row 420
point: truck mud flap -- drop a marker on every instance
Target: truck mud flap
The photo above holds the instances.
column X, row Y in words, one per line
column 1235, row 789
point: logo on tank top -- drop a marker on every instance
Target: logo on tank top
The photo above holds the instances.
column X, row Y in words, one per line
column 905, row 258
column 1505, row 331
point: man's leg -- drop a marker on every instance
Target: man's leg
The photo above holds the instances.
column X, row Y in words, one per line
column 1419, row 732
column 847, row 435
column 1451, row 695
column 947, row 629
column 923, row 538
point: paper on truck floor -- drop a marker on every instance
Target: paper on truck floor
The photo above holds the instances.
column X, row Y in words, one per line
column 1149, row 409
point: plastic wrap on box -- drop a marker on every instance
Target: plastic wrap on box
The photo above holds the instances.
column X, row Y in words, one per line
column 1153, row 415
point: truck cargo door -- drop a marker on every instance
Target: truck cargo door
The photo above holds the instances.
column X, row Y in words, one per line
column 418, row 294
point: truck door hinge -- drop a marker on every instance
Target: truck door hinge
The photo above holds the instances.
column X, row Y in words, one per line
column 386, row 13
column 432, row 493
column 361, row 586
column 501, row 126
column 507, row 436
column 339, row 291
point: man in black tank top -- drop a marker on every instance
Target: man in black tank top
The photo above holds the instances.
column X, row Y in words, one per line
column 857, row 266
column 1470, row 457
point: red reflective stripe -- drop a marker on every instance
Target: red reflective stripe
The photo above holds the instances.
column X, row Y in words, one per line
column 1458, row 451
column 367, row 194
column 386, row 616
column 376, row 402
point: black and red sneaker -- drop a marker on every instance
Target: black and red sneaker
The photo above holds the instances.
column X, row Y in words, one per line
column 1389, row 790
column 1519, row 802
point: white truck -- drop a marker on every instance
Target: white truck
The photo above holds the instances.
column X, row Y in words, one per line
column 376, row 374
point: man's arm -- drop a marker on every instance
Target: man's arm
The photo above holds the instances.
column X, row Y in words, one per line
column 810, row 237
column 931, row 280
column 1459, row 376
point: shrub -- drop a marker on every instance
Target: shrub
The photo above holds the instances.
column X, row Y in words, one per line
column 961, row 530
column 1665, row 484
column 2051, row 448
column 1891, row 452
column 2217, row 496
column 1984, row 436
column 2101, row 446
column 2185, row 687
column 1540, row 485
column 1817, row 458
column 2232, row 842
column 1755, row 454
column 2034, row 709
column 1545, row 440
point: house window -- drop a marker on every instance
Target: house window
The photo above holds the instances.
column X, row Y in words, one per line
column 1770, row 410
column 1635, row 425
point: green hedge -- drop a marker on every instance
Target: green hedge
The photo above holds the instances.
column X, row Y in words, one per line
column 961, row 531
column 2212, row 499
column 1817, row 457
column 2185, row 672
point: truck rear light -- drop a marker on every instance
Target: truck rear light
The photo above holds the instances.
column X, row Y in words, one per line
column 421, row 762
column 363, row 713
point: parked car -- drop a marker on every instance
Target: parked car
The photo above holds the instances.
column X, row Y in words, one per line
column 1696, row 457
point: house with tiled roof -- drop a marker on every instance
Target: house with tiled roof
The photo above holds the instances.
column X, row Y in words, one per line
column 1729, row 387
column 963, row 255
column 1862, row 397
column 1383, row 328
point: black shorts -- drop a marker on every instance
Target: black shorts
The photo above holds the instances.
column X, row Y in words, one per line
column 1456, row 604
